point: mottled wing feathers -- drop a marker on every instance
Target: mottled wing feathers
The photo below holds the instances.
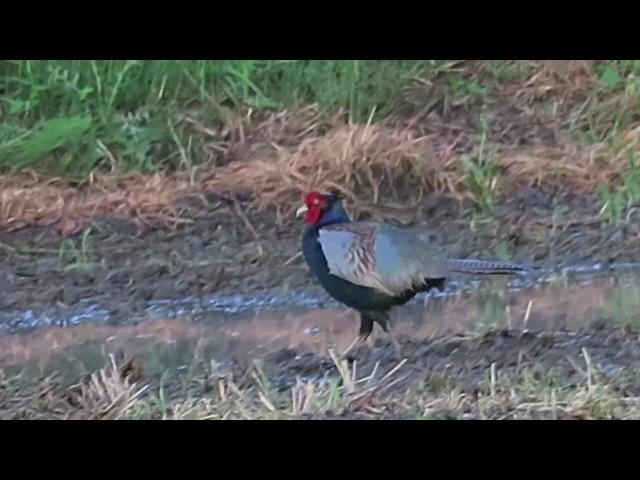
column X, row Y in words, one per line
column 405, row 260
column 349, row 249
column 378, row 256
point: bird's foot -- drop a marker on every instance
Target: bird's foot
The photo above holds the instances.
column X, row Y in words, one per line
column 396, row 354
column 396, row 344
column 351, row 351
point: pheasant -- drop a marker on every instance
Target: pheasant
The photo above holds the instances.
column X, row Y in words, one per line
column 372, row 267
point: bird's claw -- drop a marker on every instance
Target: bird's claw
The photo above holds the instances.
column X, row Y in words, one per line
column 397, row 354
column 355, row 345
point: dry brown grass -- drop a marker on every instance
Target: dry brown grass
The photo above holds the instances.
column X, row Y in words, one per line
column 380, row 164
column 33, row 200
column 364, row 162
column 120, row 390
column 108, row 393
column 562, row 81
column 278, row 158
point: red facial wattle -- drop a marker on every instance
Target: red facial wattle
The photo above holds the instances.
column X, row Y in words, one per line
column 315, row 203
column 313, row 214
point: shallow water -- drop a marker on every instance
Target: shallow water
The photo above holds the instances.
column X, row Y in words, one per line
column 182, row 336
column 88, row 312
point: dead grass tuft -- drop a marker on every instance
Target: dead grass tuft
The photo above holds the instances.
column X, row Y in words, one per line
column 276, row 158
column 376, row 165
column 110, row 392
column 540, row 385
column 565, row 83
column 347, row 393
column 32, row 200
column 366, row 163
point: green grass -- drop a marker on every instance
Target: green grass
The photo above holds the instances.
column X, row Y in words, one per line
column 482, row 175
column 612, row 105
column 66, row 117
column 69, row 118
column 619, row 203
column 72, row 256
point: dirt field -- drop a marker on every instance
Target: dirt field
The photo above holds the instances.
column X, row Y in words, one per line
column 590, row 373
column 216, row 253
column 520, row 186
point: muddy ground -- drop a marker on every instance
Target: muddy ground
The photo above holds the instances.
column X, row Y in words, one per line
column 501, row 374
column 556, row 368
column 220, row 252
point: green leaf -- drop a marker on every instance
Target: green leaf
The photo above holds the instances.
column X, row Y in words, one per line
column 52, row 134
column 85, row 92
column 17, row 106
column 610, row 77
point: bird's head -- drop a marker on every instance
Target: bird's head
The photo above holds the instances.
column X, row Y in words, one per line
column 322, row 208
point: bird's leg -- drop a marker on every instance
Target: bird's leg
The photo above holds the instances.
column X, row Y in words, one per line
column 354, row 345
column 385, row 323
column 366, row 327
column 394, row 340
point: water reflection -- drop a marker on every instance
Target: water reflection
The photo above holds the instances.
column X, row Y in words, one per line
column 182, row 344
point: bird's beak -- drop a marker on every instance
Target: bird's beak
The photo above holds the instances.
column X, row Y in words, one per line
column 301, row 211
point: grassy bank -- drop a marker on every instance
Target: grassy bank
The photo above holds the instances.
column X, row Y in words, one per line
column 130, row 106
column 82, row 112
column 372, row 128
column 135, row 139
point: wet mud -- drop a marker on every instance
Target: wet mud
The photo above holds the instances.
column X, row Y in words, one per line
column 215, row 295
column 121, row 272
column 459, row 336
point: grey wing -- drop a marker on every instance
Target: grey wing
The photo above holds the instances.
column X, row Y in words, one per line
column 404, row 259
column 350, row 256
column 381, row 257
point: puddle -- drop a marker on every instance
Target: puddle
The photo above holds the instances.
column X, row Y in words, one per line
column 87, row 312
column 192, row 337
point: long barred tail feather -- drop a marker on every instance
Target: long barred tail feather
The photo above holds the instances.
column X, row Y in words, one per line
column 485, row 267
